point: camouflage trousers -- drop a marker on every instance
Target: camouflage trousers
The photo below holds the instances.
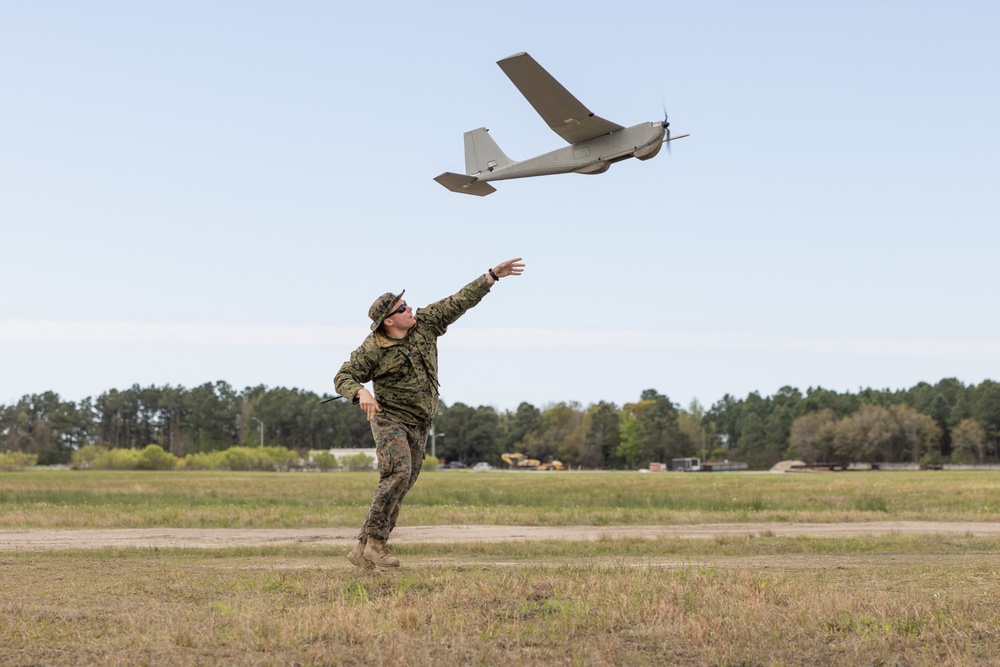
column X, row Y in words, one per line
column 400, row 451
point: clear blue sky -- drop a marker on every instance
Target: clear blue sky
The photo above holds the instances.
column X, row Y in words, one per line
column 193, row 191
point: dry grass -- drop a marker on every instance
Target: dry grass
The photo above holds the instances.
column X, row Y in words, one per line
column 894, row 600
column 308, row 606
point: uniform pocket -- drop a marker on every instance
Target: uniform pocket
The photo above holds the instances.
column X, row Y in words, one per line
column 387, row 435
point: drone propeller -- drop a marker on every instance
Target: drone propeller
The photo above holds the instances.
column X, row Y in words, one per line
column 666, row 127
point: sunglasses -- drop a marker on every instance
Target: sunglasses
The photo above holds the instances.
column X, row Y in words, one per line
column 398, row 311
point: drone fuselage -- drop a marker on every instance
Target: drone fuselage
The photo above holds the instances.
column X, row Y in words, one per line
column 593, row 156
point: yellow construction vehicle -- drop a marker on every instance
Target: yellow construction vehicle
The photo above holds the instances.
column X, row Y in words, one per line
column 519, row 461
column 513, row 459
column 554, row 464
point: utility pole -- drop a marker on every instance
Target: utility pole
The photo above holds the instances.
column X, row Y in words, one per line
column 261, row 431
column 434, row 436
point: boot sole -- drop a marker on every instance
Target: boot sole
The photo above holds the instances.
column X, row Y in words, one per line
column 365, row 564
column 375, row 562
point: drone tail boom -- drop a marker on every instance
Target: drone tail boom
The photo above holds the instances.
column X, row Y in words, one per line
column 482, row 155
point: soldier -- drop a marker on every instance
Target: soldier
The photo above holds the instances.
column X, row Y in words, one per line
column 400, row 359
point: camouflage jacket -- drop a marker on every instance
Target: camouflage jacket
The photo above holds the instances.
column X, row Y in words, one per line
column 405, row 372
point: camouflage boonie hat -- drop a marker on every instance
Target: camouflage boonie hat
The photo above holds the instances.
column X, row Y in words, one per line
column 380, row 309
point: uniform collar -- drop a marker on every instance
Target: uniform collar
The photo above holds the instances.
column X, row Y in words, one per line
column 387, row 341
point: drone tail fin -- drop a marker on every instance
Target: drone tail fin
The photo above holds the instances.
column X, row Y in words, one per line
column 482, row 155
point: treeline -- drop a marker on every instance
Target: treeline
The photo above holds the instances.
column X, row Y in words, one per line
column 207, row 418
column 948, row 421
column 944, row 422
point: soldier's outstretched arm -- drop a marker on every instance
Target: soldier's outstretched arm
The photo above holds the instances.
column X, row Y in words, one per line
column 441, row 314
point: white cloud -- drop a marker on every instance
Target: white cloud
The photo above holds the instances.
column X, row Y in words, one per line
column 80, row 331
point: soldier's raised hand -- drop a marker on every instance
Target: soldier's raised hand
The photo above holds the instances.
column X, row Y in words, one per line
column 512, row 267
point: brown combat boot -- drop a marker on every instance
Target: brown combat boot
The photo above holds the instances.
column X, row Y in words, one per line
column 357, row 556
column 378, row 553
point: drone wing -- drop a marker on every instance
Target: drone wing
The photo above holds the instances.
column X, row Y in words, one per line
column 564, row 113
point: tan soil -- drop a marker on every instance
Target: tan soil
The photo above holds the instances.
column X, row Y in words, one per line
column 213, row 538
column 785, row 466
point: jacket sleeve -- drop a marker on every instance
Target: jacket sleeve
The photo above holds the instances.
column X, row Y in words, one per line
column 442, row 313
column 357, row 370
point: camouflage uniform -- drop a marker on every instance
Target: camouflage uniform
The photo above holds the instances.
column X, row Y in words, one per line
column 400, row 450
column 404, row 373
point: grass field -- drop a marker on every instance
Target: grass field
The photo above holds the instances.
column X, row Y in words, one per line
column 893, row 600
column 765, row 601
column 68, row 499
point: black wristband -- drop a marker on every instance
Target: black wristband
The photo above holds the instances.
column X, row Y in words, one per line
column 493, row 276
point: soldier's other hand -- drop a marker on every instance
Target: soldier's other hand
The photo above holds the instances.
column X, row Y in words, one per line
column 512, row 267
column 368, row 403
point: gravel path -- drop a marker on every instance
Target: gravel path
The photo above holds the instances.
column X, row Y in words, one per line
column 213, row 538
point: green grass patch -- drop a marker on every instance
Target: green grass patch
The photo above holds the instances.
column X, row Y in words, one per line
column 107, row 499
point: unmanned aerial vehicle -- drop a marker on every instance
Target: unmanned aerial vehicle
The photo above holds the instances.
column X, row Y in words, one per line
column 595, row 143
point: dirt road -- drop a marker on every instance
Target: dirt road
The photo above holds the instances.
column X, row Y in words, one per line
column 213, row 538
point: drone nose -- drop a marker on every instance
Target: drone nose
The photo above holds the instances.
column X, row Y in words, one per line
column 666, row 128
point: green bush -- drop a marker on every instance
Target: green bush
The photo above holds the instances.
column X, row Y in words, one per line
column 84, row 457
column 152, row 457
column 206, row 461
column 243, row 458
column 325, row 461
column 934, row 458
column 259, row 458
column 282, row 458
column 97, row 457
column 430, row 463
column 10, row 461
column 719, row 454
column 960, row 457
column 118, row 459
column 357, row 462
